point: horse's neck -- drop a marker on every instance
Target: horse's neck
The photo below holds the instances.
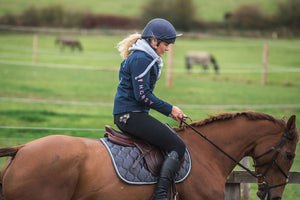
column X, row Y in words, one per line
column 237, row 140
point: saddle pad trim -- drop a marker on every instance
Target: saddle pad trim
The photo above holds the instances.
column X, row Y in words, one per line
column 103, row 140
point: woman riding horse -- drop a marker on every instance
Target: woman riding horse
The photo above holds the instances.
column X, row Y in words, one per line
column 138, row 74
column 74, row 168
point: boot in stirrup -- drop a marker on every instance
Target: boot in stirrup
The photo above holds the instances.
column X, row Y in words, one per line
column 168, row 170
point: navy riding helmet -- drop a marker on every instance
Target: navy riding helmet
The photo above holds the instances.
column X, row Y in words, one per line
column 160, row 29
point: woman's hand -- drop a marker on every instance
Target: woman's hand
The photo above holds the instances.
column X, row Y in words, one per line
column 177, row 114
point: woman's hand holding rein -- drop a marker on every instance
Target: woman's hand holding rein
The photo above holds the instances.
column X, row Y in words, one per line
column 177, row 114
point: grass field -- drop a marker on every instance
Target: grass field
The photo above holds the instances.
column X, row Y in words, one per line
column 205, row 9
column 70, row 90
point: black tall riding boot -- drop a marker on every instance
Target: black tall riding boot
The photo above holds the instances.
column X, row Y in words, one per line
column 168, row 169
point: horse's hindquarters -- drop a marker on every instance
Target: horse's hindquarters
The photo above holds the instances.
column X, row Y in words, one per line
column 98, row 179
column 46, row 169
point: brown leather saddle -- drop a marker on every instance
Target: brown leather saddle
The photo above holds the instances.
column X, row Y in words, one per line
column 152, row 155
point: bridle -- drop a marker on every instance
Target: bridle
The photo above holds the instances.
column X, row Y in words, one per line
column 264, row 186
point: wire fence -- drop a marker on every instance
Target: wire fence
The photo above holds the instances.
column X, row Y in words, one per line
column 9, row 58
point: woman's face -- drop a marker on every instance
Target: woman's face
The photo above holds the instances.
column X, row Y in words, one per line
column 161, row 48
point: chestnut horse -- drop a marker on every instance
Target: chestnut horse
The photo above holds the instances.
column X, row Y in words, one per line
column 68, row 168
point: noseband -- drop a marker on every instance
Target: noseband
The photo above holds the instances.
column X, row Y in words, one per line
column 264, row 186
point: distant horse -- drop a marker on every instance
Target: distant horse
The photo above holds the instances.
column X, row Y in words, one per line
column 70, row 42
column 201, row 58
column 72, row 168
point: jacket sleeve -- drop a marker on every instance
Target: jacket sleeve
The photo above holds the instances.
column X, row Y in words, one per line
column 142, row 88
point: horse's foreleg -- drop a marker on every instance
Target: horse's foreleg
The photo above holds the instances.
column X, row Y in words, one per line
column 214, row 62
column 216, row 68
column 205, row 67
column 80, row 47
column 188, row 64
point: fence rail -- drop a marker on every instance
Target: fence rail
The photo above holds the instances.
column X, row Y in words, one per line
column 234, row 180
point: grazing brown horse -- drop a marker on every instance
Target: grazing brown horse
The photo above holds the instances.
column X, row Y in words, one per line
column 70, row 168
column 68, row 42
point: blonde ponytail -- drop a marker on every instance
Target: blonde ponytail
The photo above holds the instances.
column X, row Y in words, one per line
column 125, row 44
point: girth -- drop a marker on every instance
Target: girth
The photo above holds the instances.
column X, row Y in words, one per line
column 152, row 155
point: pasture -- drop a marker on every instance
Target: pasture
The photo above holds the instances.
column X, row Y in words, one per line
column 204, row 9
column 70, row 92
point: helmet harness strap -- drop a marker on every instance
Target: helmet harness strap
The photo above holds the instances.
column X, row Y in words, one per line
column 158, row 42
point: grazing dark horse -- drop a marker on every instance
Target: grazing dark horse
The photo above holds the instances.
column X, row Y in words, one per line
column 68, row 41
column 71, row 168
column 201, row 58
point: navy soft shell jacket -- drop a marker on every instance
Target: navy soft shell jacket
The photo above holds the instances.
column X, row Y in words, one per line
column 135, row 94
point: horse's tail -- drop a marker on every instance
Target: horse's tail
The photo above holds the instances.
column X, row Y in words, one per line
column 10, row 151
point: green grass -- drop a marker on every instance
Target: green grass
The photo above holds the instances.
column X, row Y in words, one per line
column 58, row 83
column 205, row 9
column 89, row 85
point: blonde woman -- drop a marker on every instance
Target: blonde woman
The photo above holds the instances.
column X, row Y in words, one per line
column 138, row 74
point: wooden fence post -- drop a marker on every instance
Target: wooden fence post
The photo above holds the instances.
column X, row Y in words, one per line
column 265, row 64
column 245, row 186
column 233, row 191
column 35, row 48
column 170, row 66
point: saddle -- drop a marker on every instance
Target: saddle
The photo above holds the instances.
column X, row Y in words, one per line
column 152, row 155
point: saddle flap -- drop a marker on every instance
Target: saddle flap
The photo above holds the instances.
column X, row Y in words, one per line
column 153, row 156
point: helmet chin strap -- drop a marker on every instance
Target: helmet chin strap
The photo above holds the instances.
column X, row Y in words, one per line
column 158, row 43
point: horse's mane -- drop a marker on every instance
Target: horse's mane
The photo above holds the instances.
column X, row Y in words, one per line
column 250, row 115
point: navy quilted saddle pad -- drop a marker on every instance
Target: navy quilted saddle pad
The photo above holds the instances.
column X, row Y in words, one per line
column 123, row 159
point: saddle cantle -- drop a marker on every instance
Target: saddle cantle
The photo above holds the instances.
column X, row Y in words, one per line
column 152, row 155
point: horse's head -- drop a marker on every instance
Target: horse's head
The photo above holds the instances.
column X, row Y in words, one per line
column 273, row 160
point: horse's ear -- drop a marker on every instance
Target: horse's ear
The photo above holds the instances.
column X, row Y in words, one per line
column 284, row 119
column 291, row 125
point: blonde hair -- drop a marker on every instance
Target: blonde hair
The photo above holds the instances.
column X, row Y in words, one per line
column 125, row 44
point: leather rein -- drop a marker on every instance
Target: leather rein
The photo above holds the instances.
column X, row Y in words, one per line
column 264, row 185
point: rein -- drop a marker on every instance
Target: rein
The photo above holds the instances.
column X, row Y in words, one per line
column 265, row 186
column 211, row 142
